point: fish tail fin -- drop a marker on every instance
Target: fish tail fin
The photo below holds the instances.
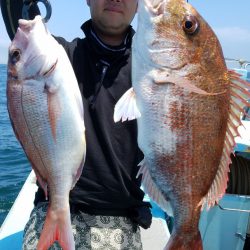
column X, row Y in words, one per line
column 180, row 242
column 57, row 227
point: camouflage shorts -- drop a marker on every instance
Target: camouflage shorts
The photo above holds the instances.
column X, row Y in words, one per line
column 90, row 231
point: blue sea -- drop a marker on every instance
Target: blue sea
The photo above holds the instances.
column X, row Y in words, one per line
column 14, row 166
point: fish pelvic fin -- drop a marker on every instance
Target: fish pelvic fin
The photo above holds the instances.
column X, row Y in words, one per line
column 126, row 108
column 54, row 111
column 152, row 190
column 239, row 99
column 57, row 227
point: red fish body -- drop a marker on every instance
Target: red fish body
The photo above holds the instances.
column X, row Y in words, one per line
column 186, row 100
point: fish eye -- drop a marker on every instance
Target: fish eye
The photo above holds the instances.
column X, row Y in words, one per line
column 190, row 24
column 15, row 56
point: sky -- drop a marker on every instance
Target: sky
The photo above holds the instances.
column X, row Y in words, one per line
column 230, row 19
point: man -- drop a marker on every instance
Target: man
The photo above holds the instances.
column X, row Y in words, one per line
column 106, row 203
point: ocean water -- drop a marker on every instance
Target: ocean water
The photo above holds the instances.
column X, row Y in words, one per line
column 14, row 166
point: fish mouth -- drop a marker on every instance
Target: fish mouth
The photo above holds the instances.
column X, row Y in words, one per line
column 155, row 7
column 27, row 25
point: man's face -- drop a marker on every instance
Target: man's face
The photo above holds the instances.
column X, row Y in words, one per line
column 112, row 16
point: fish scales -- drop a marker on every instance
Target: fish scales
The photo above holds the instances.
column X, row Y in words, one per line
column 46, row 112
column 179, row 162
column 181, row 146
column 188, row 113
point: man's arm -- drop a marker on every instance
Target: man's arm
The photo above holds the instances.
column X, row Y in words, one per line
column 12, row 12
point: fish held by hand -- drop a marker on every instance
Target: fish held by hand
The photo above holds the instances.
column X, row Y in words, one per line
column 46, row 112
column 188, row 107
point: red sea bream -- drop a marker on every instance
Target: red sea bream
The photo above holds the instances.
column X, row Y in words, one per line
column 45, row 108
column 189, row 108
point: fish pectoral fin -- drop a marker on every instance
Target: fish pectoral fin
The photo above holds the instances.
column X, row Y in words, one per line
column 152, row 190
column 126, row 108
column 184, row 83
column 54, row 112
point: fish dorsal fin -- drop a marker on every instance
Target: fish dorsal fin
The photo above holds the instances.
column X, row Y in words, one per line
column 151, row 189
column 238, row 100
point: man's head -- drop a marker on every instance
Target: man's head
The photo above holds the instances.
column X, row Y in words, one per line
column 111, row 18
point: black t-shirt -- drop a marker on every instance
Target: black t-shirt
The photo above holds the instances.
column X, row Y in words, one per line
column 108, row 184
